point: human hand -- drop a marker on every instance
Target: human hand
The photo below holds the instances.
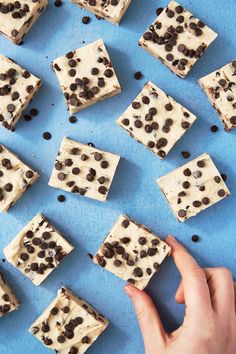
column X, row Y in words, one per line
column 209, row 325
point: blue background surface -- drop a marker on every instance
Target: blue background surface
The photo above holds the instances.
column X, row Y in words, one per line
column 85, row 222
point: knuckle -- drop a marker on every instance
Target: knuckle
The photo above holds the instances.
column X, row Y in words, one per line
column 225, row 271
column 198, row 273
column 141, row 313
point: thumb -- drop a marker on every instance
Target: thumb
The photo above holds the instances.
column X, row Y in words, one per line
column 150, row 324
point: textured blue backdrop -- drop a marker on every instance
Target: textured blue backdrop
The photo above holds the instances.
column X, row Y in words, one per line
column 85, row 222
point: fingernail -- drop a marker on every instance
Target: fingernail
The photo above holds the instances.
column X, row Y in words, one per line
column 128, row 290
column 171, row 238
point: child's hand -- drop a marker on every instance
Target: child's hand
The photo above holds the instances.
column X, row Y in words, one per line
column 209, row 326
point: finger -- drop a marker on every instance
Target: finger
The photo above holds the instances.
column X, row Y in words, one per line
column 179, row 295
column 195, row 287
column 150, row 324
column 221, row 285
column 220, row 282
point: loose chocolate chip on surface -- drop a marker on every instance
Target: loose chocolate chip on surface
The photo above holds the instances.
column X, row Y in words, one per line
column 195, row 238
column 72, row 119
column 138, row 75
column 57, row 3
column 214, row 128
column 61, row 198
column 85, row 20
column 47, row 135
column 34, row 112
column 159, row 10
column 185, row 154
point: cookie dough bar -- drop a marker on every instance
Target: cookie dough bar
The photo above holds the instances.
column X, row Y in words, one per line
column 69, row 325
column 17, row 88
column 220, row 88
column 8, row 301
column 37, row 249
column 177, row 38
column 17, row 17
column 156, row 120
column 86, row 76
column 193, row 187
column 111, row 10
column 84, row 170
column 132, row 252
column 15, row 178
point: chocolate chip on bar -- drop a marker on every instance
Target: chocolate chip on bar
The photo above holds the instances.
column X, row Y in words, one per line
column 156, row 120
column 86, row 76
column 17, row 88
column 177, row 38
column 17, row 17
column 84, row 170
column 69, row 325
column 37, row 249
column 15, row 178
column 193, row 187
column 220, row 88
column 8, row 301
column 111, row 10
column 132, row 252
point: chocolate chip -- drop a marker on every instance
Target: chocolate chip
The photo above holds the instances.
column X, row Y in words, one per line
column 214, row 128
column 159, row 10
column 24, row 257
column 205, row 201
column 47, row 135
column 72, row 119
column 45, row 328
column 168, row 107
column 138, row 272
column 85, row 340
column 221, row 193
column 58, row 3
column 29, row 174
column 142, row 240
column 181, row 213
column 197, row 203
column 85, row 20
column 217, row 179
column 125, row 223
column 117, row 263
column 195, row 238
column 61, row 198
column 104, row 164
column 152, row 251
column 145, row 100
column 108, row 73
column 201, row 164
column 138, row 75
column 185, row 154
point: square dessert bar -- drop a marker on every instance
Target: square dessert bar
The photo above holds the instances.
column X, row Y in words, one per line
column 220, row 88
column 17, row 88
column 37, row 249
column 156, row 120
column 84, row 170
column 86, row 76
column 132, row 252
column 111, row 10
column 177, row 38
column 8, row 301
column 17, row 17
column 15, row 178
column 193, row 187
column 69, row 325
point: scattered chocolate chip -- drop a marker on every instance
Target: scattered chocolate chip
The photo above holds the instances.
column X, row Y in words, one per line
column 138, row 75
column 214, row 128
column 61, row 198
column 47, row 135
column 58, row 3
column 195, row 238
column 85, row 20
column 185, row 154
